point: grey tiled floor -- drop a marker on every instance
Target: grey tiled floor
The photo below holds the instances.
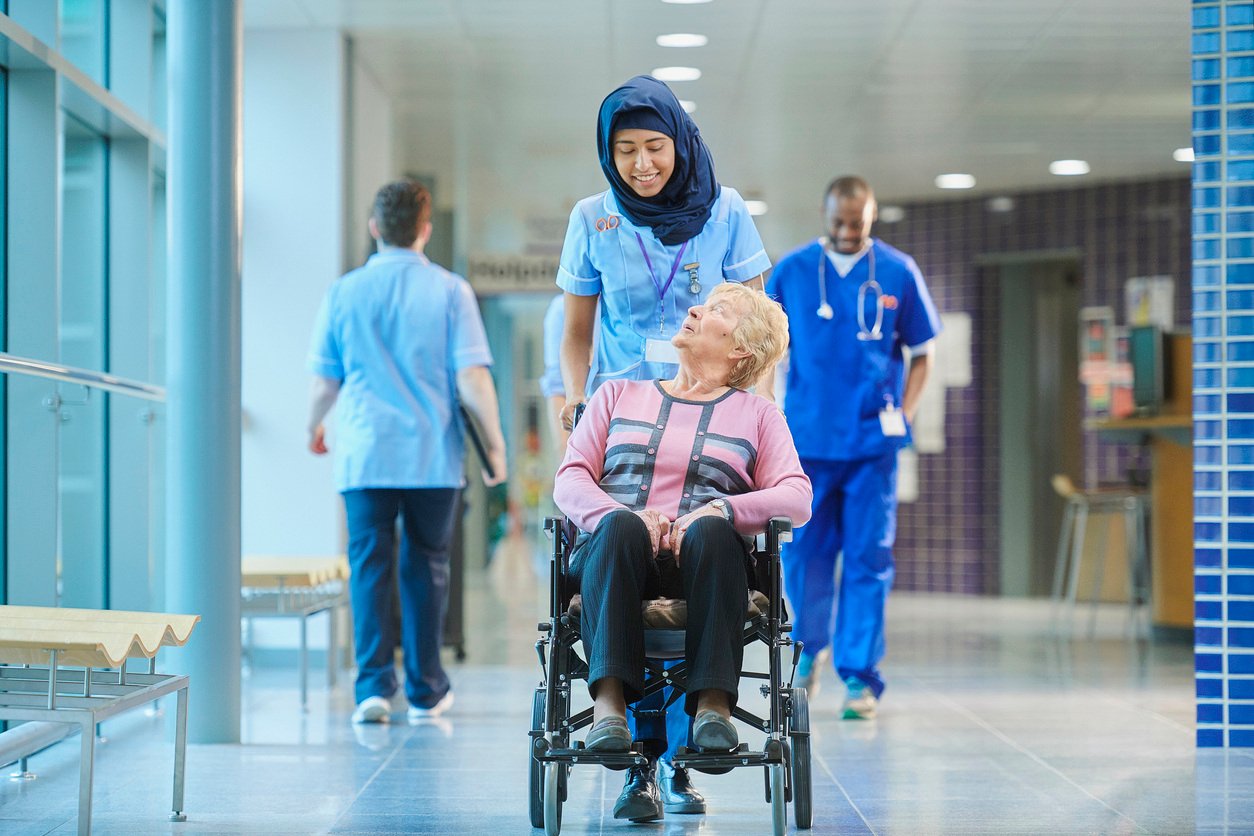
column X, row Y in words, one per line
column 991, row 724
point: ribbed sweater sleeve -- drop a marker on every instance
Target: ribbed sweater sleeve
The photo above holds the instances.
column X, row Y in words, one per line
column 576, row 488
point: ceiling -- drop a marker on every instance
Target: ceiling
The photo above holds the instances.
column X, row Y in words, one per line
column 792, row 92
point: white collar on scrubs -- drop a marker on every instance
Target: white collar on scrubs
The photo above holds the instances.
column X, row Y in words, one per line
column 844, row 262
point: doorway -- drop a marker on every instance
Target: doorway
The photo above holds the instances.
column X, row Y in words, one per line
column 1038, row 409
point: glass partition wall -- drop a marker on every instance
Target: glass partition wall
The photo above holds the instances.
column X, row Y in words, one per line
column 82, row 261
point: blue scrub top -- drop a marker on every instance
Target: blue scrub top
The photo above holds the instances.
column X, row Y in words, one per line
column 601, row 255
column 554, row 321
column 395, row 332
column 838, row 383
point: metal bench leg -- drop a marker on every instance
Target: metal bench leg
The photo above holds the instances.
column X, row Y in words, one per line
column 180, row 756
column 304, row 662
column 86, row 764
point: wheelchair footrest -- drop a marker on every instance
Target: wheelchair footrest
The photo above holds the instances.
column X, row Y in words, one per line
column 610, row 760
column 723, row 761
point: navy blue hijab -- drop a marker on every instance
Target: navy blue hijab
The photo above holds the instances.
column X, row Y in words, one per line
column 680, row 210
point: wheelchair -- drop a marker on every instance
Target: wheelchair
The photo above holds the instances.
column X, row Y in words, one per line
column 785, row 754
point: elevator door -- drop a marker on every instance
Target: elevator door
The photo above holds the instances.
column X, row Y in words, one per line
column 1039, row 414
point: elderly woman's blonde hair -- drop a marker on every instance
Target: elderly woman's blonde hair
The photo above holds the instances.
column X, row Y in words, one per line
column 762, row 331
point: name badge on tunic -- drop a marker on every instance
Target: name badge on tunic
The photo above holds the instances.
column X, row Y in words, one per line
column 660, row 351
column 892, row 422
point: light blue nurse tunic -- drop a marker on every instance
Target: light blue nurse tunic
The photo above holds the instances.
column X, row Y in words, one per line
column 602, row 255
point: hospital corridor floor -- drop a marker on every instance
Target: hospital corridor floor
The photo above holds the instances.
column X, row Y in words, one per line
column 992, row 723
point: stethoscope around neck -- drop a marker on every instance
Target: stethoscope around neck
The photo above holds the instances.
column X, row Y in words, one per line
column 870, row 285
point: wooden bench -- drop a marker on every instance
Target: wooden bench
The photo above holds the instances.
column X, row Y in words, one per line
column 280, row 586
column 67, row 666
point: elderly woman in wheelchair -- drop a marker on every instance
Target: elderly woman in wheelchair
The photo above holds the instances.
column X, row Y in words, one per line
column 667, row 482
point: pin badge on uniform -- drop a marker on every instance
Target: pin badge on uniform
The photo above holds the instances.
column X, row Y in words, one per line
column 694, row 282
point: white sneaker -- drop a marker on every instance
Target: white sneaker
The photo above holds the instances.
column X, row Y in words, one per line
column 445, row 703
column 860, row 702
column 373, row 710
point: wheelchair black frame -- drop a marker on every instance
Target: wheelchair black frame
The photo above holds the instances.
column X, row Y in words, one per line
column 561, row 666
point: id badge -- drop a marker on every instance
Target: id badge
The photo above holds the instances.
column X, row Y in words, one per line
column 892, row 422
column 660, row 351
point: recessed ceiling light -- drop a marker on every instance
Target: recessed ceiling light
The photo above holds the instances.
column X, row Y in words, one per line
column 1183, row 155
column 891, row 214
column 1068, row 168
column 685, row 2
column 681, row 39
column 688, row 106
column 955, row 181
column 756, row 207
column 676, row 73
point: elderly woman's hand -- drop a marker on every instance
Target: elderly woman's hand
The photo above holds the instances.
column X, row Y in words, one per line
column 659, row 528
column 676, row 539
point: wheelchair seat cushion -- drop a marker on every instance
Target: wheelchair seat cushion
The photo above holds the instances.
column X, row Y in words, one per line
column 672, row 613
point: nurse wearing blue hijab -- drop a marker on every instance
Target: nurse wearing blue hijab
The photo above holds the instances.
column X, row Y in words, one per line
column 651, row 246
column 648, row 248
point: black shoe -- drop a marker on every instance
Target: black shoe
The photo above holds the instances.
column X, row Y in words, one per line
column 678, row 793
column 639, row 799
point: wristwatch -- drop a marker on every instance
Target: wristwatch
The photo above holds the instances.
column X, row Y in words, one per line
column 722, row 507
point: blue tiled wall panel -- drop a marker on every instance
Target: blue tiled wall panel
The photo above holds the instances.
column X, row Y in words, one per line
column 1208, row 557
column 1210, row 688
column 1241, row 636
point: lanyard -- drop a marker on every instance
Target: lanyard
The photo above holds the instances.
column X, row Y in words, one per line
column 657, row 284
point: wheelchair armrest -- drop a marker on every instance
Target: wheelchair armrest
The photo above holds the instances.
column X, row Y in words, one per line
column 778, row 530
column 553, row 524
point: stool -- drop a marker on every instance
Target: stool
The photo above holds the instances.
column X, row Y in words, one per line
column 1130, row 502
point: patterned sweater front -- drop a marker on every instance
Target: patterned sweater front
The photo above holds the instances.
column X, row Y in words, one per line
column 637, row 447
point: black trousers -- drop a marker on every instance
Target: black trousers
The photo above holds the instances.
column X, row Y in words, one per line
column 616, row 570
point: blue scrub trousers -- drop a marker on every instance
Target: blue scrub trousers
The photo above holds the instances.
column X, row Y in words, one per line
column 662, row 737
column 427, row 517
column 855, row 514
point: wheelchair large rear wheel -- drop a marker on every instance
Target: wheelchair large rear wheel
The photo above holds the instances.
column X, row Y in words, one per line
column 779, row 800
column 553, row 792
column 799, row 738
column 535, row 773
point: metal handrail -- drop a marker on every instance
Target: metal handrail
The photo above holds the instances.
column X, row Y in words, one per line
column 12, row 364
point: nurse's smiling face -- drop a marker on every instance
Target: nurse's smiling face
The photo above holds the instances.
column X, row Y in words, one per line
column 644, row 159
column 849, row 219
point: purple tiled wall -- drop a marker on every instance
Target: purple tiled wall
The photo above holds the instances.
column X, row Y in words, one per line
column 947, row 541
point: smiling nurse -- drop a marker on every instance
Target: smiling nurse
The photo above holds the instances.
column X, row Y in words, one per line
column 651, row 246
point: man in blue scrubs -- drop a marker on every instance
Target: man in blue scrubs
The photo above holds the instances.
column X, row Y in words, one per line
column 396, row 343
column 857, row 309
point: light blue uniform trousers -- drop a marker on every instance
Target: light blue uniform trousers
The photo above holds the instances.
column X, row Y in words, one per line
column 855, row 513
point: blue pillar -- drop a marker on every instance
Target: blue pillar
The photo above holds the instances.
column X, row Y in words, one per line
column 203, row 354
column 1223, row 370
